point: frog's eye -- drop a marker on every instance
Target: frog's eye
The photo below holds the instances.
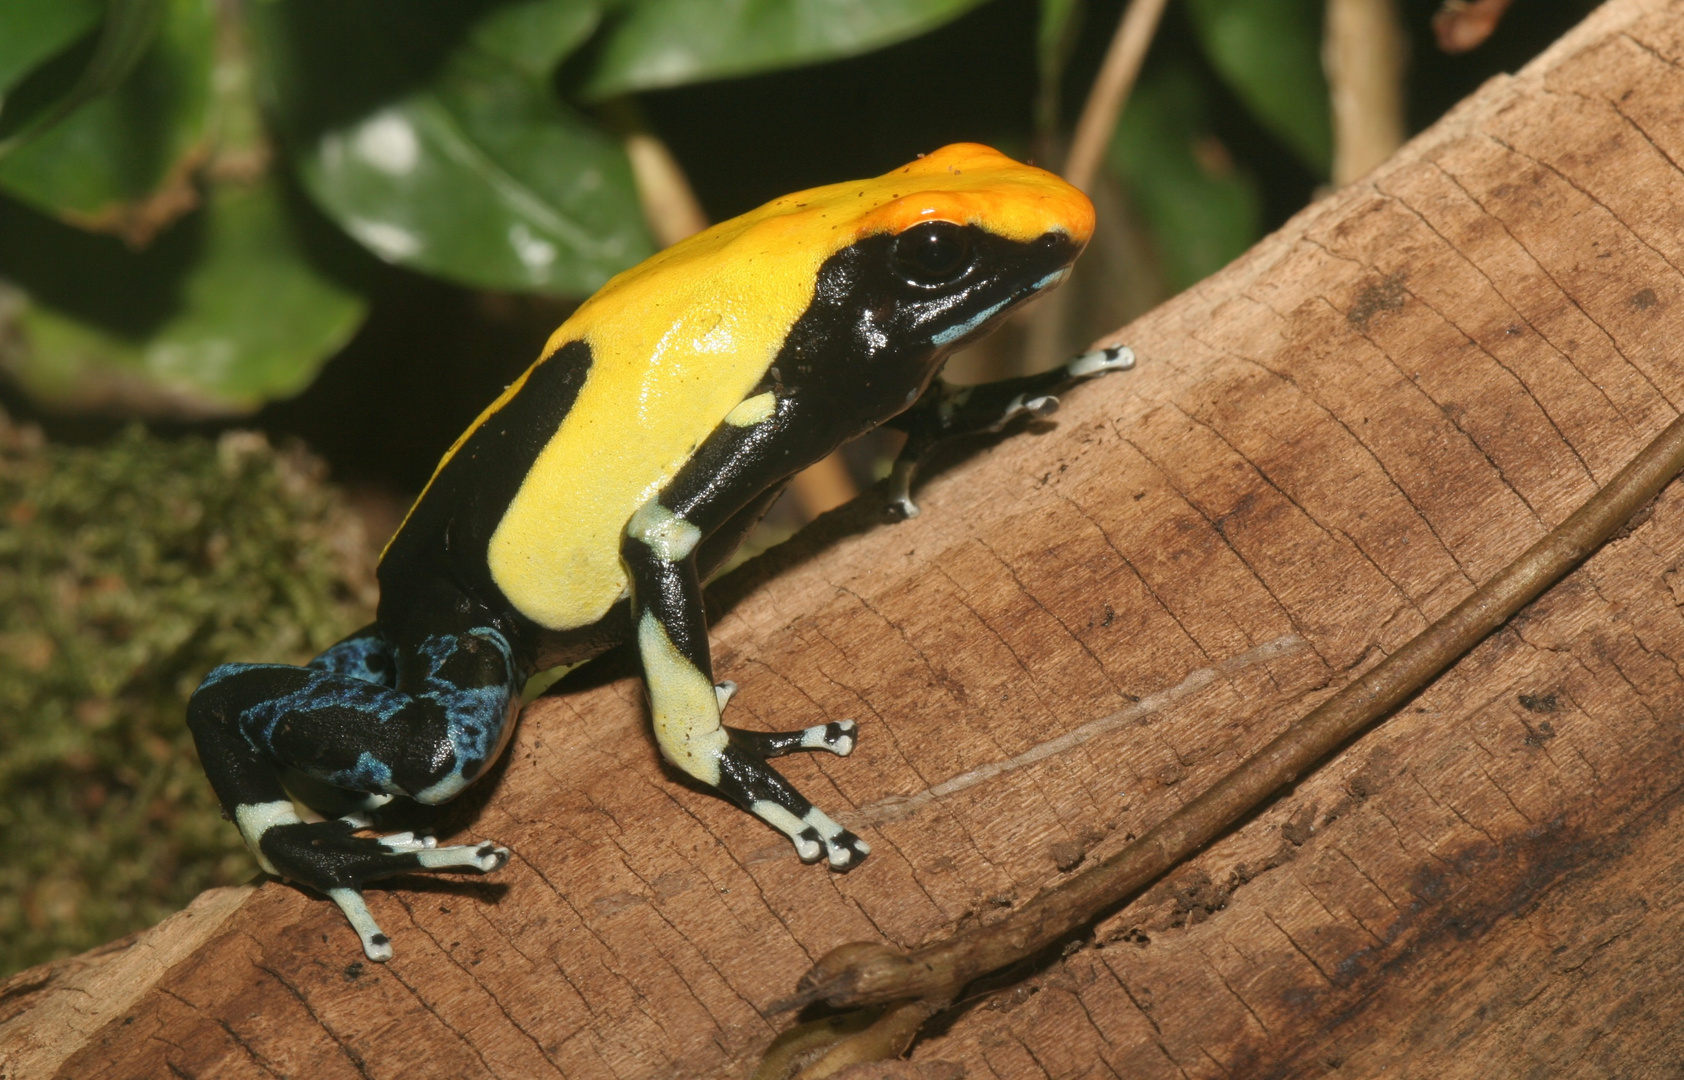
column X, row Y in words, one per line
column 932, row 253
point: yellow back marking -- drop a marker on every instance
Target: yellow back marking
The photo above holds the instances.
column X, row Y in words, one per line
column 753, row 410
column 682, row 702
column 678, row 341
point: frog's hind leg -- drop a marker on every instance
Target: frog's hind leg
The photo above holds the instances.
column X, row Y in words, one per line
column 365, row 655
column 426, row 732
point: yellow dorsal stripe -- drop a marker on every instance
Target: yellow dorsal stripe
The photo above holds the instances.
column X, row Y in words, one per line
column 678, row 341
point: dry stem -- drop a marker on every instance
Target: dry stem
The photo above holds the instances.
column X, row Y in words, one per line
column 1111, row 90
column 864, row 974
column 1363, row 53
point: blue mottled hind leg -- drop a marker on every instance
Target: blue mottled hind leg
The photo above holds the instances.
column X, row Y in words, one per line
column 365, row 655
column 368, row 656
column 422, row 721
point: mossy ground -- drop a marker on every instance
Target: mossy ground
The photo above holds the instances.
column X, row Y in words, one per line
column 126, row 572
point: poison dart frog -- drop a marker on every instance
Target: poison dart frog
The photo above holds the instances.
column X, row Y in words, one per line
column 586, row 506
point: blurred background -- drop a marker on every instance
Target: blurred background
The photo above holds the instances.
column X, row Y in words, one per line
column 262, row 260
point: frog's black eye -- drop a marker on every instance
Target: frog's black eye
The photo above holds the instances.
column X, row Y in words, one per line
column 932, row 253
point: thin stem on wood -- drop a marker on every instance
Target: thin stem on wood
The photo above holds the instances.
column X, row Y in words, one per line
column 863, row 974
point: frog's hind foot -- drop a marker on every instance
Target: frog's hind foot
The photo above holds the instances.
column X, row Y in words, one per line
column 837, row 737
column 329, row 857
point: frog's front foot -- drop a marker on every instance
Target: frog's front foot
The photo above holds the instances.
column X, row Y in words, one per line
column 815, row 835
column 1100, row 362
column 838, row 737
column 329, row 857
column 747, row 780
column 948, row 412
column 842, row 849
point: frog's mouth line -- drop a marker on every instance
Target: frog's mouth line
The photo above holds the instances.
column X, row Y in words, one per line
column 970, row 325
column 1052, row 280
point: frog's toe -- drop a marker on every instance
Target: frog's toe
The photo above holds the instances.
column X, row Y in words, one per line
column 484, row 856
column 838, row 737
column 900, row 504
column 407, row 841
column 815, row 836
column 1036, row 406
column 842, row 849
column 1101, row 362
column 376, row 945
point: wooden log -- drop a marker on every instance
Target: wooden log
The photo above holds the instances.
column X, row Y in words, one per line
column 1323, row 448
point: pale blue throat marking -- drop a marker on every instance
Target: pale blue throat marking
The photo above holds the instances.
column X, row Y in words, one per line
column 954, row 333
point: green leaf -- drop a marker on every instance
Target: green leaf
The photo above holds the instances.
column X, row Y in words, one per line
column 222, row 314
column 33, row 30
column 120, row 162
column 1201, row 212
column 129, row 29
column 535, row 35
column 1269, row 51
column 462, row 165
column 669, row 42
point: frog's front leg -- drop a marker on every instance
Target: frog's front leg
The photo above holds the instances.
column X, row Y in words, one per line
column 837, row 737
column 947, row 412
column 658, row 550
column 366, row 718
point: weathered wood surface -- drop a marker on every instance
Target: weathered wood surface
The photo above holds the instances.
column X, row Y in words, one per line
column 1323, row 448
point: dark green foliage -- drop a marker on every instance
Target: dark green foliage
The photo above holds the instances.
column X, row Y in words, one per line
column 432, row 133
column 1269, row 52
column 1201, row 210
column 655, row 43
column 126, row 572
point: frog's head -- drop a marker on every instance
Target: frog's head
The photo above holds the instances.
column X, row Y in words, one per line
column 852, row 293
column 931, row 257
